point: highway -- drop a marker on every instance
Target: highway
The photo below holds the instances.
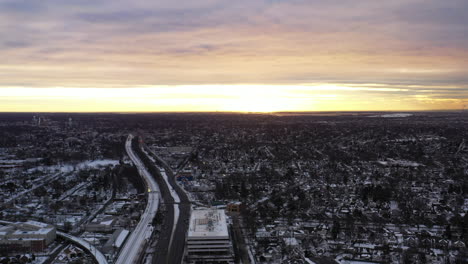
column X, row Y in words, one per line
column 135, row 244
column 168, row 204
column 176, row 244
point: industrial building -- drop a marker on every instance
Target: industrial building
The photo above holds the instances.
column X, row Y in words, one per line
column 25, row 237
column 208, row 238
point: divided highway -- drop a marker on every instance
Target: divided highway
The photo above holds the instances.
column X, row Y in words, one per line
column 136, row 242
column 162, row 251
column 176, row 244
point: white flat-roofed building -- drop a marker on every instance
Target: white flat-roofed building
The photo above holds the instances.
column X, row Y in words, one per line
column 208, row 238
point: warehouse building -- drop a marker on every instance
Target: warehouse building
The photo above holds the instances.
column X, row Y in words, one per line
column 25, row 237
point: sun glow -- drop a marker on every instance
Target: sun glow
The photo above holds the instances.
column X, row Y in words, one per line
column 226, row 98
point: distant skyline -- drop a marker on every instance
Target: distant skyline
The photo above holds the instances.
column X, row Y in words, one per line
column 218, row 55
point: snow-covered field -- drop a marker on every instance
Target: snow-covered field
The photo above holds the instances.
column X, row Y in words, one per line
column 94, row 164
column 402, row 163
column 395, row 115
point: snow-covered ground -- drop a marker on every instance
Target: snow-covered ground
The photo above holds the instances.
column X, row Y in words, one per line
column 395, row 115
column 44, row 182
column 94, row 164
column 402, row 163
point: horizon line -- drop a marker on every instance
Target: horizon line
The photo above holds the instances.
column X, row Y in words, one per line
column 230, row 112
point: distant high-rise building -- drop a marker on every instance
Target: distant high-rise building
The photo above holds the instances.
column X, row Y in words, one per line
column 208, row 238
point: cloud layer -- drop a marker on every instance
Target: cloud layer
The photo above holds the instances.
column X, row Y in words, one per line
column 421, row 45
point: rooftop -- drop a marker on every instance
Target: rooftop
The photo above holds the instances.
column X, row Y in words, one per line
column 208, row 223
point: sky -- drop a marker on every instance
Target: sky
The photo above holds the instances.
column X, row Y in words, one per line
column 243, row 55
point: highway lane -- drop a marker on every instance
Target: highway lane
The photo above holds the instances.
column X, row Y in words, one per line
column 175, row 205
column 176, row 249
column 135, row 244
column 167, row 227
column 161, row 252
column 178, row 243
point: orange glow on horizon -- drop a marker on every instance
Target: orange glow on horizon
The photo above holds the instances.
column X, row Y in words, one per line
column 226, row 98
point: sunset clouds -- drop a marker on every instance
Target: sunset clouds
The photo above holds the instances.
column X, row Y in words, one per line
column 419, row 47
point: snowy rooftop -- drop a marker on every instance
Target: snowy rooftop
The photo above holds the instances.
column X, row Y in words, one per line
column 290, row 241
column 42, row 231
column 37, row 224
column 208, row 223
column 25, row 228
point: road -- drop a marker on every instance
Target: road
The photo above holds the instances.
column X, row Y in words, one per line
column 240, row 246
column 85, row 245
column 136, row 242
column 176, row 245
column 167, row 208
column 98, row 256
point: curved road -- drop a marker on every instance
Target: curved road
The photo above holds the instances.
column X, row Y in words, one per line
column 98, row 256
column 87, row 246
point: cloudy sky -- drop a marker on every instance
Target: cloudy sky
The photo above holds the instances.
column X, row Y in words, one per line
column 243, row 55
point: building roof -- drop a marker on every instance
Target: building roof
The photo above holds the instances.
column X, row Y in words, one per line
column 208, row 223
column 37, row 224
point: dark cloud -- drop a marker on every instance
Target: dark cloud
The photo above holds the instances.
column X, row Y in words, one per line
column 113, row 17
column 435, row 12
column 7, row 44
column 21, row 6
